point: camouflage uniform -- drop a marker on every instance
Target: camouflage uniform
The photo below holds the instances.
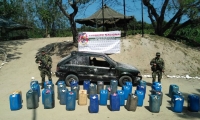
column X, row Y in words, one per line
column 157, row 67
column 45, row 68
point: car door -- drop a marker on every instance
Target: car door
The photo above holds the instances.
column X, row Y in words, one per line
column 85, row 71
column 105, row 73
column 103, row 70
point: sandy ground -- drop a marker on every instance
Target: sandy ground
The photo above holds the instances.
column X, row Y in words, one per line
column 17, row 73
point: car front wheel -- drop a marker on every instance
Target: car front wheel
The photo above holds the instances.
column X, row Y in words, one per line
column 124, row 79
column 71, row 78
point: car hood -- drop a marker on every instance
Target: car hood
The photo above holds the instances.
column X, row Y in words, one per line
column 126, row 66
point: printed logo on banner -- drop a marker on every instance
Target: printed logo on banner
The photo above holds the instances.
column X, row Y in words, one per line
column 104, row 42
column 83, row 39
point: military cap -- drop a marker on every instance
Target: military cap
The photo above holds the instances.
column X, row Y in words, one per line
column 158, row 54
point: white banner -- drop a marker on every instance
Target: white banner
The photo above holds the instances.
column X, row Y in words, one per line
column 103, row 42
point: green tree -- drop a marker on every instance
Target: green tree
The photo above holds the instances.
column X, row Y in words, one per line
column 75, row 5
column 49, row 15
column 187, row 9
column 8, row 8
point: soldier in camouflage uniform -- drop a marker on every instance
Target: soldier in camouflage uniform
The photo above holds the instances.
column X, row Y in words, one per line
column 45, row 63
column 157, row 67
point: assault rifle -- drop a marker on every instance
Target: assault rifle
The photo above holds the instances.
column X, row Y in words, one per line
column 164, row 74
column 156, row 67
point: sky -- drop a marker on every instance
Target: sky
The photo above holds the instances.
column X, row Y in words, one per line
column 134, row 9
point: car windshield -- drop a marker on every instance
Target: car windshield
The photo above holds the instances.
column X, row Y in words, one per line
column 111, row 60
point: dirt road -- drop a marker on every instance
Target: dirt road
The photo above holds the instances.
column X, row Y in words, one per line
column 17, row 73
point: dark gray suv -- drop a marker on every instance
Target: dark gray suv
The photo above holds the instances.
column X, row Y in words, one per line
column 94, row 66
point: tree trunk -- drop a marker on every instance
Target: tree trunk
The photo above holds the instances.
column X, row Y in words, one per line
column 70, row 17
column 159, row 28
column 74, row 30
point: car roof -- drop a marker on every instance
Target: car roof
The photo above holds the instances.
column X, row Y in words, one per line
column 88, row 53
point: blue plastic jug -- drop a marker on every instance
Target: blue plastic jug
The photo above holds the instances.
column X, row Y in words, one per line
column 32, row 99
column 129, row 84
column 121, row 97
column 60, row 87
column 94, row 104
column 46, row 83
column 75, row 89
column 142, row 88
column 154, row 103
column 127, row 91
column 193, row 103
column 156, row 88
column 92, row 89
column 100, row 86
column 108, row 88
column 63, row 96
column 50, row 85
column 61, row 82
column 33, row 82
column 177, row 103
column 172, row 88
column 15, row 101
column 113, row 86
column 74, row 83
column 103, row 97
column 70, row 101
column 142, row 83
column 140, row 95
column 157, row 84
column 48, row 99
column 36, row 87
column 114, row 102
column 159, row 94
column 86, row 85
column 176, row 93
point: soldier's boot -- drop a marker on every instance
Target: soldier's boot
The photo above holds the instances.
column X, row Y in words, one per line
column 42, row 86
column 153, row 77
column 159, row 80
column 153, row 80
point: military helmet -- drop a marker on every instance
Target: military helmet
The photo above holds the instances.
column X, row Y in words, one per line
column 43, row 50
column 158, row 54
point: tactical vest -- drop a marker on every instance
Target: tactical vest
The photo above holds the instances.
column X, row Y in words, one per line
column 159, row 64
column 45, row 60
